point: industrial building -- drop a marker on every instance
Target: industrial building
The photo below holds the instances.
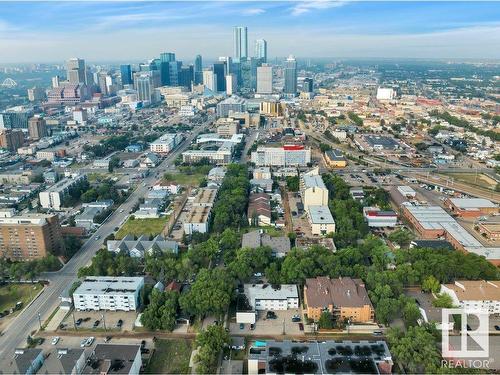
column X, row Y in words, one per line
column 471, row 207
column 335, row 159
column 377, row 218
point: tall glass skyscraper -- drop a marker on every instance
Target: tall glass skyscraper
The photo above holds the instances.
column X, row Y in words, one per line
column 240, row 42
column 290, row 76
column 198, row 70
column 126, row 74
column 220, row 72
column 261, row 49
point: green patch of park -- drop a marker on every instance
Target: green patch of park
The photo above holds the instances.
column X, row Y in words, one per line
column 10, row 294
column 138, row 227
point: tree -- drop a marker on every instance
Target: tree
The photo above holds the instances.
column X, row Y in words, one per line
column 210, row 342
column 249, row 261
column 443, row 300
column 210, row 293
column 401, row 236
column 411, row 313
column 386, row 310
column 161, row 311
column 292, row 183
column 415, row 350
column 325, row 320
column 431, row 284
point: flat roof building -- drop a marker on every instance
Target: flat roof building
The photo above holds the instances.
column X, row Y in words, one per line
column 335, row 159
column 269, row 297
column 197, row 220
column 475, row 295
column 471, row 207
column 53, row 196
column 321, row 220
column 108, row 293
column 313, row 191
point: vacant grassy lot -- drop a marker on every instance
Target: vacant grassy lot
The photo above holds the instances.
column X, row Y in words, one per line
column 10, row 294
column 186, row 179
column 139, row 227
column 479, row 180
column 170, row 357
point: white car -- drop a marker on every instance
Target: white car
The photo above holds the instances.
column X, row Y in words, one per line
column 121, row 210
column 90, row 340
column 83, row 343
column 55, row 340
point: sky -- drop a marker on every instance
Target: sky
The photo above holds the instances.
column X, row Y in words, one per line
column 52, row 31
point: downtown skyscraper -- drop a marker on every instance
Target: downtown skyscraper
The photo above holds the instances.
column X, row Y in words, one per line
column 261, row 50
column 240, row 42
column 75, row 70
column 290, row 76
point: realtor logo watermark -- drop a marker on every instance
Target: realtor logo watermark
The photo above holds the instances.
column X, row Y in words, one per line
column 474, row 342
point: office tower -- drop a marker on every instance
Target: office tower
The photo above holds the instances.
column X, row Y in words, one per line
column 290, row 76
column 29, row 236
column 210, row 80
column 198, row 70
column 167, row 56
column 248, row 74
column 240, row 42
column 15, row 117
column 126, row 74
column 76, row 70
column 231, row 84
column 55, row 81
column 174, row 68
column 308, row 85
column 229, row 63
column 220, row 72
column 261, row 49
column 37, row 128
column 145, row 84
column 11, row 139
column 35, row 94
column 186, row 76
column 101, row 82
column 89, row 77
column 265, row 79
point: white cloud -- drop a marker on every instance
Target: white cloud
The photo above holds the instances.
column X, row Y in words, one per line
column 253, row 11
column 307, row 6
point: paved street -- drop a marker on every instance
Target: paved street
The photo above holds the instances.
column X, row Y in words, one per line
column 28, row 321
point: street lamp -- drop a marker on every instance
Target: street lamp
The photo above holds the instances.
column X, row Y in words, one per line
column 40, row 321
column 103, row 321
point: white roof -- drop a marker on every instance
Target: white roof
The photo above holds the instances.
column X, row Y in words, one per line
column 320, row 215
column 468, row 203
column 109, row 285
column 313, row 181
column 267, row 292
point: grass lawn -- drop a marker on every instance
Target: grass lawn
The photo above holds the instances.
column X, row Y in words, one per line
column 481, row 180
column 138, row 227
column 170, row 357
column 10, row 294
column 186, row 179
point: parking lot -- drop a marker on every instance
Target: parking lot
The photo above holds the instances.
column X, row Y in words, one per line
column 300, row 222
column 281, row 325
column 88, row 320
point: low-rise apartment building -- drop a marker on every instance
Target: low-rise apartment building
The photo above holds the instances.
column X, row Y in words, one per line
column 321, row 220
column 269, row 297
column 313, row 191
column 344, row 297
column 286, row 156
column 166, row 143
column 108, row 293
column 52, row 198
column 475, row 295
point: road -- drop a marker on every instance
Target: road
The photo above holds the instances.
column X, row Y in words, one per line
column 28, row 320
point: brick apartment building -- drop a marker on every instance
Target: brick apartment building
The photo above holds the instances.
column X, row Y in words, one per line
column 28, row 237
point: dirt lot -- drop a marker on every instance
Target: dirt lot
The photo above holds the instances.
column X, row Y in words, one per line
column 110, row 320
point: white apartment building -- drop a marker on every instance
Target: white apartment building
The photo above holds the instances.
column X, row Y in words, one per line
column 221, row 156
column 265, row 79
column 197, row 220
column 313, row 191
column 479, row 295
column 321, row 220
column 108, row 293
column 266, row 297
column 384, row 93
column 166, row 143
column 286, row 156
column 53, row 196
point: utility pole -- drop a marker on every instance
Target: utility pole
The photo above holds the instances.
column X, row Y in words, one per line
column 40, row 321
column 103, row 321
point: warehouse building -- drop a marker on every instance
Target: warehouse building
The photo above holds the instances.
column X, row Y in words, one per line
column 471, row 207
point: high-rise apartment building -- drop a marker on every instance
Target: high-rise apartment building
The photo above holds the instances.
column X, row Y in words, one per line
column 308, row 85
column 29, row 236
column 231, row 84
column 210, row 80
column 11, row 139
column 290, row 76
column 36, row 94
column 145, row 84
column 75, row 68
column 15, row 117
column 37, row 128
column 126, row 74
column 240, row 42
column 265, row 79
column 261, row 50
column 55, row 81
column 198, row 70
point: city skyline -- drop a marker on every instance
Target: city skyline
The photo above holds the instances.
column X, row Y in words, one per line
column 54, row 31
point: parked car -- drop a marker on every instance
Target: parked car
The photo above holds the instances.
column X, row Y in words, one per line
column 55, row 340
column 271, row 315
column 497, row 328
column 295, row 318
column 107, row 339
column 83, row 343
column 90, row 341
column 79, row 321
column 242, row 326
column 119, row 323
column 96, row 323
column 252, row 326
